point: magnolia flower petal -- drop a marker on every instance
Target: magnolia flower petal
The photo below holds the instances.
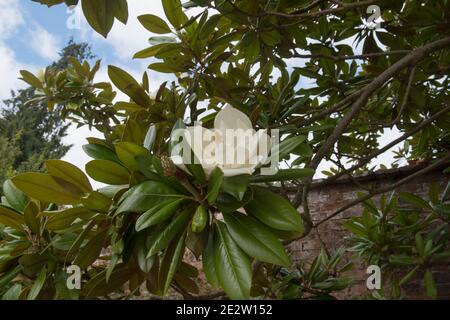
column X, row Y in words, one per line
column 231, row 118
column 237, row 172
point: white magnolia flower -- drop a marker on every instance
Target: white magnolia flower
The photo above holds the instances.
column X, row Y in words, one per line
column 233, row 145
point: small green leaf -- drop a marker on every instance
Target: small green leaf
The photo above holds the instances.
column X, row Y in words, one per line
column 415, row 200
column 30, row 214
column 161, row 239
column 150, row 138
column 128, row 85
column 37, row 285
column 430, row 285
column 62, row 219
column 236, row 185
column 199, row 220
column 214, row 185
column 157, row 214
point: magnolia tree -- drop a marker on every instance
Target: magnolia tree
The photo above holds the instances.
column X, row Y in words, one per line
column 193, row 167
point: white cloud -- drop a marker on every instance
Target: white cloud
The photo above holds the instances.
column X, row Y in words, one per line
column 9, row 72
column 44, row 43
column 10, row 18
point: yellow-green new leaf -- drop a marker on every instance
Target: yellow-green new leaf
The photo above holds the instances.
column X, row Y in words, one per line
column 43, row 187
column 11, row 218
column 174, row 12
column 154, row 24
column 127, row 153
column 31, row 79
column 70, row 173
column 30, row 214
column 128, row 85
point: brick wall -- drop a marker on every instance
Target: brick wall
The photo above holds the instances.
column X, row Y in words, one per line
column 324, row 200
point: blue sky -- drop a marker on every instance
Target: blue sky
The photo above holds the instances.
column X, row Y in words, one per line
column 31, row 35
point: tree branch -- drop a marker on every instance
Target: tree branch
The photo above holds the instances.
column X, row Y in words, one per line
column 412, row 58
column 350, row 57
column 387, row 188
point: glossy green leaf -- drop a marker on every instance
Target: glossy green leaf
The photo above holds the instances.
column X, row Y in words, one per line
column 256, row 239
column 62, row 219
column 145, row 196
column 99, row 286
column 274, row 211
column 15, row 198
column 108, row 172
column 209, row 266
column 236, row 185
column 232, row 264
column 100, row 152
column 150, row 138
column 199, row 220
column 31, row 79
column 171, row 262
